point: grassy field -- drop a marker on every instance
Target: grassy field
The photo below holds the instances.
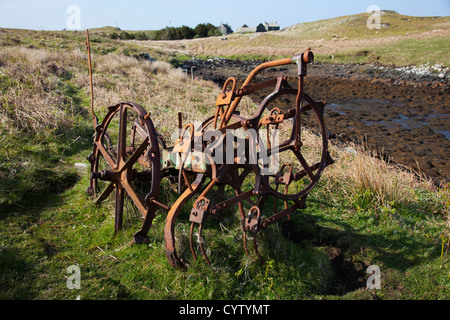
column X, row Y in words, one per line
column 363, row 212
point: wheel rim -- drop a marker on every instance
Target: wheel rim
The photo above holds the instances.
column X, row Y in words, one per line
column 123, row 158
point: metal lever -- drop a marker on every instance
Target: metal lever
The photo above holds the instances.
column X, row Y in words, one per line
column 302, row 60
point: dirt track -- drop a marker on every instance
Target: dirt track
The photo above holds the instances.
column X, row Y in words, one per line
column 406, row 116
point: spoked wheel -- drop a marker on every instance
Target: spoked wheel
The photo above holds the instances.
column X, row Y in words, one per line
column 126, row 160
column 297, row 169
column 284, row 169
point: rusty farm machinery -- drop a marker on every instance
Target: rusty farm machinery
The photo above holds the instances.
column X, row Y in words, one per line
column 227, row 161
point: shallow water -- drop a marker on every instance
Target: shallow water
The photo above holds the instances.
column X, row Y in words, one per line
column 393, row 120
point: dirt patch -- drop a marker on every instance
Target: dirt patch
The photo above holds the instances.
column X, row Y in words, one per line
column 404, row 116
column 349, row 274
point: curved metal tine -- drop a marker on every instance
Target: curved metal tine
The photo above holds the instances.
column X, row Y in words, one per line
column 200, row 242
column 191, row 242
column 245, row 244
column 260, row 204
column 169, row 228
column 255, row 247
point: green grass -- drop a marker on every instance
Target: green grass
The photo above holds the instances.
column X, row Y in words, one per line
column 47, row 230
column 428, row 51
column 41, row 238
column 355, row 26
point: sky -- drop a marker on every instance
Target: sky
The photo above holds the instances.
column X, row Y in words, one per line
column 154, row 15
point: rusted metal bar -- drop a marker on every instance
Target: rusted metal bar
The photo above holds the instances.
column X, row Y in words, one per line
column 91, row 85
column 227, row 203
column 247, row 81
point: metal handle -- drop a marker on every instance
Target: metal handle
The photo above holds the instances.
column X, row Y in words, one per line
column 302, row 60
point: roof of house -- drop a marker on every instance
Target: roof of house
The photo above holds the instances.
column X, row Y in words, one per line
column 272, row 24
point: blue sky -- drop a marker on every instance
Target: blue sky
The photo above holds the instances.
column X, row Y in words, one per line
column 152, row 15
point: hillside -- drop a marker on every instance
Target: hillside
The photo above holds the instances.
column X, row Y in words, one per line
column 355, row 26
column 402, row 40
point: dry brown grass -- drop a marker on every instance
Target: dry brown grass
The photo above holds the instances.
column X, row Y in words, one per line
column 34, row 84
column 32, row 99
column 360, row 172
column 161, row 89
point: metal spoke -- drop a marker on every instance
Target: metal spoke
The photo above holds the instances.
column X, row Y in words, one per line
column 305, row 165
column 120, row 197
column 105, row 193
column 135, row 156
column 111, row 162
column 122, row 144
column 134, row 197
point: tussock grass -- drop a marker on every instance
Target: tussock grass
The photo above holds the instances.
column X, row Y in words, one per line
column 361, row 172
column 32, row 86
column 372, row 182
column 157, row 86
column 126, row 65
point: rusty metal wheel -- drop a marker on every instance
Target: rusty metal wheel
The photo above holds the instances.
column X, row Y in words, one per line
column 126, row 160
column 290, row 180
column 296, row 170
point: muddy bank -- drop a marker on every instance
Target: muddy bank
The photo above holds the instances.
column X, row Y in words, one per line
column 404, row 115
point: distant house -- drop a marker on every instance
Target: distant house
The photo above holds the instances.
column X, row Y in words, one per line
column 271, row 26
column 245, row 28
column 225, row 29
column 259, row 28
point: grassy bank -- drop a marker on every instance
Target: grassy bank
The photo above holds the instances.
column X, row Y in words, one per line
column 363, row 211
